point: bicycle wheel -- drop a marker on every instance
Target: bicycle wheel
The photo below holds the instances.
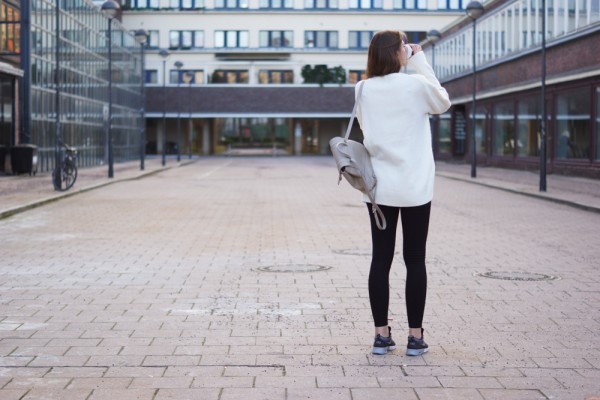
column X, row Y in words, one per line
column 64, row 177
column 70, row 175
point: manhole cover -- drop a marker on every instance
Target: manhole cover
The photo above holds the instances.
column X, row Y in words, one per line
column 517, row 276
column 293, row 268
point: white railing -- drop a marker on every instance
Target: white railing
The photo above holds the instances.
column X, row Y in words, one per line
column 510, row 29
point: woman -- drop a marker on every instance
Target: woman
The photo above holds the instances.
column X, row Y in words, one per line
column 393, row 113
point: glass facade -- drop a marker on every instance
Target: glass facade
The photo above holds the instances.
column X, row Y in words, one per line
column 253, row 133
column 511, row 28
column 573, row 130
column 598, row 123
column 445, row 133
column 83, row 71
column 504, row 129
column 7, row 99
column 529, row 116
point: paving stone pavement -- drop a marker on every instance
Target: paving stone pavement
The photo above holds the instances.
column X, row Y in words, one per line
column 246, row 278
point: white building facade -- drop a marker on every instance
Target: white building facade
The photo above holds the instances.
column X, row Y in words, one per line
column 250, row 65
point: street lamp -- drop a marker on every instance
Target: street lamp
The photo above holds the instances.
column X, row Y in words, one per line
column 433, row 36
column 474, row 10
column 543, row 138
column 178, row 65
column 164, row 54
column 110, row 9
column 141, row 36
column 188, row 77
column 58, row 139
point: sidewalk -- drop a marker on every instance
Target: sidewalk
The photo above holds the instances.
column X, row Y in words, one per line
column 577, row 192
column 22, row 192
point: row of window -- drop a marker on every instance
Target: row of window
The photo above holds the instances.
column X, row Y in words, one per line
column 289, row 4
column 265, row 76
column 512, row 127
column 511, row 28
column 194, row 39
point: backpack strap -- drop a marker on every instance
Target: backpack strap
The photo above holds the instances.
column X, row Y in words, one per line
column 360, row 88
column 380, row 220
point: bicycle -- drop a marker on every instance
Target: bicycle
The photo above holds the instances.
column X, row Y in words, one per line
column 65, row 174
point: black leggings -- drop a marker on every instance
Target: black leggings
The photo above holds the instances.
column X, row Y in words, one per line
column 415, row 225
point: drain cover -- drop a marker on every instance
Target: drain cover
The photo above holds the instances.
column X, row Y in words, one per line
column 518, row 276
column 293, row 268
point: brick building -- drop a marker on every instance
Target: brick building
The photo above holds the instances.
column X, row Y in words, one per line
column 508, row 86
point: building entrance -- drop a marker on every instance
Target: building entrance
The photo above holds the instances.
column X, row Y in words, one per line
column 253, row 135
column 7, row 101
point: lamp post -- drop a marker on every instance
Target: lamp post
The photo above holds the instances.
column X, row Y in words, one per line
column 188, row 77
column 164, row 54
column 433, row 36
column 141, row 36
column 58, row 145
column 178, row 65
column 474, row 11
column 110, row 9
column 543, row 138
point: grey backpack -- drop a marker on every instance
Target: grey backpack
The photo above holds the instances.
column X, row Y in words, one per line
column 354, row 164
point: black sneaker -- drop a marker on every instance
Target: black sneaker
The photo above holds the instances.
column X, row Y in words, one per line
column 383, row 344
column 415, row 346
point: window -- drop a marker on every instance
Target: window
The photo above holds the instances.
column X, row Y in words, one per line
column 230, row 76
column 231, row 38
column 276, row 39
column 504, row 128
column 529, row 119
column 356, row 76
column 153, row 39
column 151, row 76
column 321, row 39
column 321, row 4
column 142, row 4
column 410, row 4
column 480, row 128
column 445, row 133
column 359, row 39
column 449, row 4
column 10, row 29
column 231, row 3
column 275, row 76
column 276, row 4
column 598, row 123
column 186, row 39
column 179, row 77
column 366, row 4
column 573, row 124
column 415, row 36
column 187, row 4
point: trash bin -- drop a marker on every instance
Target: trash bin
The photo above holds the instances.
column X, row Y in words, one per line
column 23, row 158
column 2, row 157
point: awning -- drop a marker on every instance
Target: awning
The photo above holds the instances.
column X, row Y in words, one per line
column 10, row 70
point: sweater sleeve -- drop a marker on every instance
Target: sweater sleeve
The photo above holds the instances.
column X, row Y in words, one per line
column 437, row 97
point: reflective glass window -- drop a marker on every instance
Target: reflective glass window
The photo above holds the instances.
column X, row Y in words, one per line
column 573, row 124
column 529, row 118
column 504, row 128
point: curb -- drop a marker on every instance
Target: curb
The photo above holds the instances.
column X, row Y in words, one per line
column 38, row 203
column 546, row 197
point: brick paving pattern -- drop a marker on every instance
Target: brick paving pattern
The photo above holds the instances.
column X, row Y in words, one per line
column 168, row 287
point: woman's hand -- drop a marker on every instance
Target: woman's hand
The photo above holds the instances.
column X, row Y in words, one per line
column 415, row 48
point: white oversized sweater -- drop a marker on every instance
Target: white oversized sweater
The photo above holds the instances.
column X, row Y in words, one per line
column 393, row 112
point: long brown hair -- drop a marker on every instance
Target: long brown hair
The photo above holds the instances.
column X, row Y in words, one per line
column 384, row 53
